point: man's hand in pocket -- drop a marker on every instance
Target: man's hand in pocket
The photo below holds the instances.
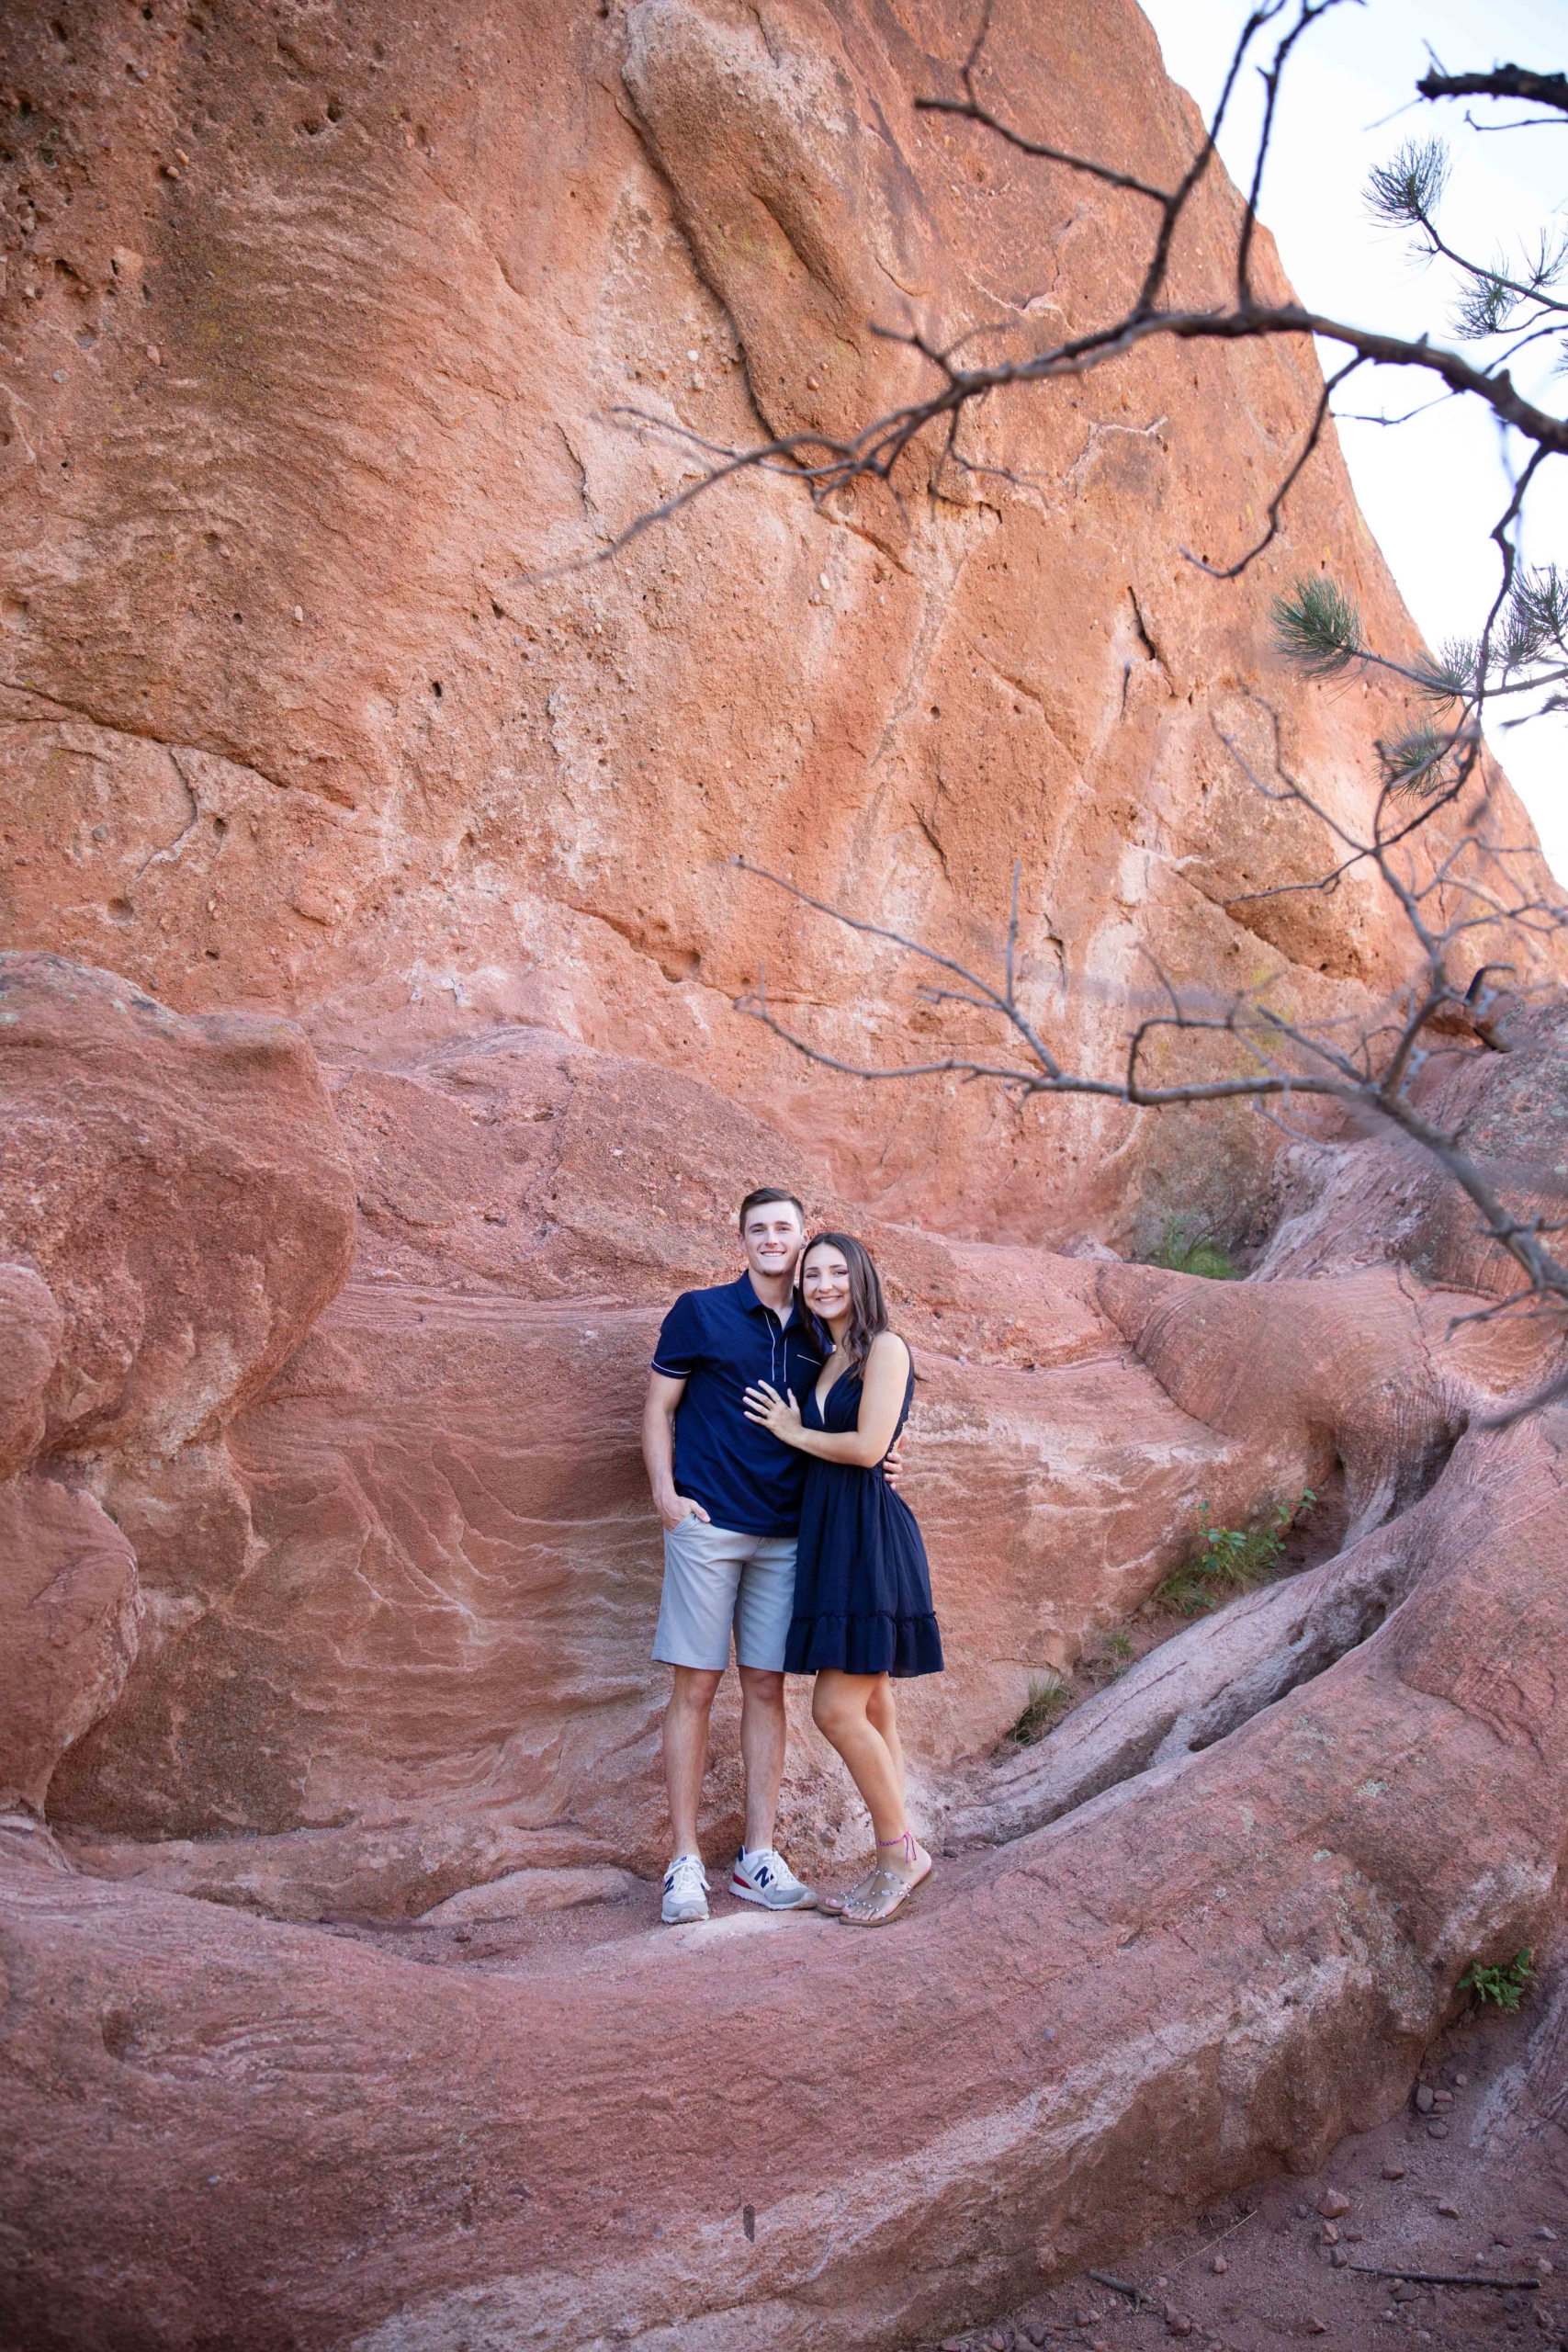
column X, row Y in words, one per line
column 680, row 1507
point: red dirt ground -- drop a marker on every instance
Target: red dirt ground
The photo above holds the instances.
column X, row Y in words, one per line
column 1490, row 2197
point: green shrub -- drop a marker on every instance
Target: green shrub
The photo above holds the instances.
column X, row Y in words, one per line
column 1232, row 1559
column 1048, row 1698
column 1183, row 1252
column 1503, row 1985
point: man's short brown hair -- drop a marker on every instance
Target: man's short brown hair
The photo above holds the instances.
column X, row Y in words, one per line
column 761, row 1198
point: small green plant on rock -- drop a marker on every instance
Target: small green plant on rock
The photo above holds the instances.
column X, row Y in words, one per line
column 1109, row 1659
column 1048, row 1698
column 1505, row 1985
column 1232, row 1559
column 1182, row 1250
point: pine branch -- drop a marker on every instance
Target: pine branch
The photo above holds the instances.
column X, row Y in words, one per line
column 1316, row 626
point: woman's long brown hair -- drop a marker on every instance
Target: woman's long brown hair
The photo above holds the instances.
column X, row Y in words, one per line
column 868, row 1315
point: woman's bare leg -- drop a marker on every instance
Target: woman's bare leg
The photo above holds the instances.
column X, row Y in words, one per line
column 842, row 1707
column 883, row 1715
column 839, row 1709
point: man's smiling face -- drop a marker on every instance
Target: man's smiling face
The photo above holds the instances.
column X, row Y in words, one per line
column 771, row 1238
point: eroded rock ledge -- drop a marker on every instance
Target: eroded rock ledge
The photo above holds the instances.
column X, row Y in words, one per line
column 1215, row 1919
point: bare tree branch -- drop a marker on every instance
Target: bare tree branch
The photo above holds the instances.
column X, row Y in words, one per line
column 1459, row 890
column 825, row 463
column 1277, row 503
column 876, row 450
column 1503, row 82
column 1371, row 1077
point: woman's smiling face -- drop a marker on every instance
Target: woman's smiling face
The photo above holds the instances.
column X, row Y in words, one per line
column 824, row 1282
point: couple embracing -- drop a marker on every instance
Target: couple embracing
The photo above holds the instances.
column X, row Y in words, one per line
column 782, row 1525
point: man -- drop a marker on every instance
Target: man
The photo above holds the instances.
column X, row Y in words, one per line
column 729, row 1493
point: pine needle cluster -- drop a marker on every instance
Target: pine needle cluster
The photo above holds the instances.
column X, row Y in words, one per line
column 1525, row 651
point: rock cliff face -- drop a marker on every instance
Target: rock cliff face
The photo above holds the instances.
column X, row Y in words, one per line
column 324, row 326
column 1272, row 1912
column 371, row 1080
column 174, row 1212
column 441, row 1636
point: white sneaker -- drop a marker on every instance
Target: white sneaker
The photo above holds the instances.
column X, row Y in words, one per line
column 685, row 1891
column 766, row 1878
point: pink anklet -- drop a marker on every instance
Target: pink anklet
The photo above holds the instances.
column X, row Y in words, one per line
column 906, row 1841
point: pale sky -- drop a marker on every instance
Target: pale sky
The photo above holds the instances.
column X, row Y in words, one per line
column 1431, row 490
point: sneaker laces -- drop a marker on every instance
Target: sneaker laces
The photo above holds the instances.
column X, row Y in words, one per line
column 684, row 1867
column 765, row 1866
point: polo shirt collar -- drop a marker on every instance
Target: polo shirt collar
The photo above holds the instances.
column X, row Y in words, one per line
column 748, row 1298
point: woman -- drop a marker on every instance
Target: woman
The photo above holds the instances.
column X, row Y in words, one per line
column 862, row 1595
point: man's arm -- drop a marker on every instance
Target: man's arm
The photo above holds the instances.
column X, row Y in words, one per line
column 659, row 1450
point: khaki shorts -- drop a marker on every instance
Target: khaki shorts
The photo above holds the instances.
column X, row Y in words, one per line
column 718, row 1579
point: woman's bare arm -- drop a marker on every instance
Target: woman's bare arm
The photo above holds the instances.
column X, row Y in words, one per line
column 883, row 1381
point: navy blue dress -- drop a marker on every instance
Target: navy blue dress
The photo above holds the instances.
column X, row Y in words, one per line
column 862, row 1589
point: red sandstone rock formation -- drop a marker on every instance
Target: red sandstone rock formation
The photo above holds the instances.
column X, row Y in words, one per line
column 174, row 1212
column 322, row 325
column 1237, row 1954
column 440, row 1637
column 335, row 1593
column 1262, row 1850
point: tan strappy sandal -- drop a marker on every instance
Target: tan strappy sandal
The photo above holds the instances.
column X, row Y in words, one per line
column 877, row 1898
column 834, row 1904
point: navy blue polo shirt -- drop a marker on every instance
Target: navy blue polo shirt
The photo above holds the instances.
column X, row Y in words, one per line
column 721, row 1342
